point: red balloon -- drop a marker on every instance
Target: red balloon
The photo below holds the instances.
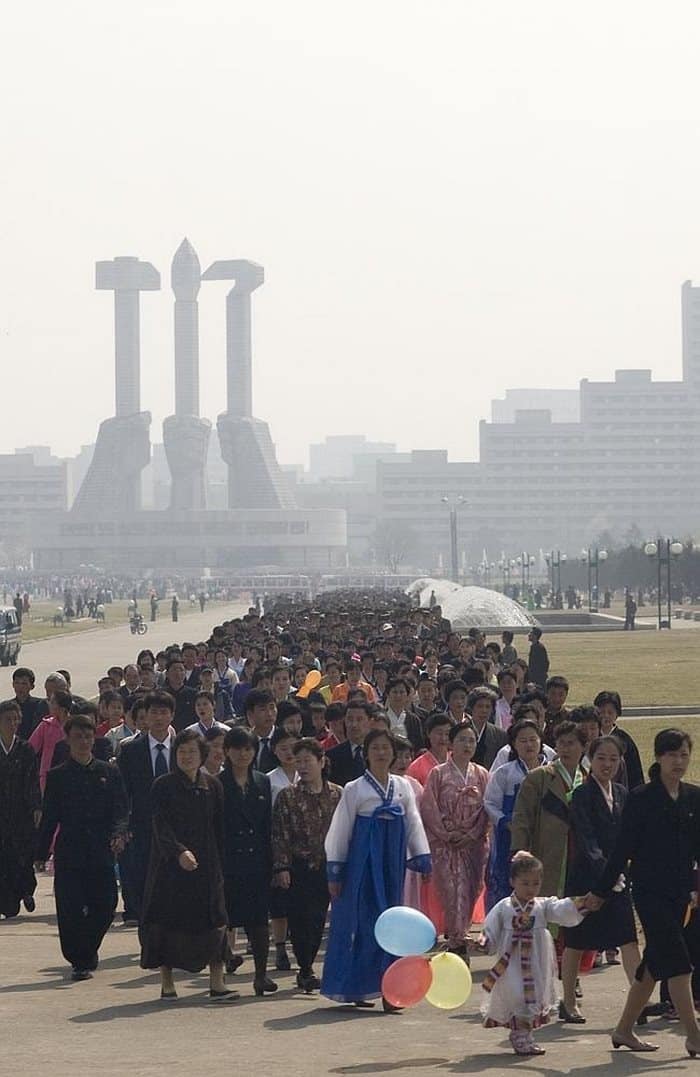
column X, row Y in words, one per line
column 406, row 982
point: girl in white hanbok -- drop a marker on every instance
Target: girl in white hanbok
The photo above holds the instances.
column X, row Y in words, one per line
column 520, row 991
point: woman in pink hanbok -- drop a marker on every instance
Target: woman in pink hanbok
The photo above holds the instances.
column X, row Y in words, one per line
column 456, row 823
column 437, row 733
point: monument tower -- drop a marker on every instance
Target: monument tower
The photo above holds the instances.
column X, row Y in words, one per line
column 112, row 484
column 185, row 434
column 254, row 476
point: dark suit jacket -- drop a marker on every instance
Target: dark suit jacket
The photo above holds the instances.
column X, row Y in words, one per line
column 595, row 830
column 247, row 824
column 184, row 706
column 265, row 760
column 489, row 744
column 134, row 762
column 343, row 767
column 633, row 763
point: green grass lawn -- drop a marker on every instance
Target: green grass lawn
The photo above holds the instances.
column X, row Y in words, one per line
column 38, row 624
column 647, row 668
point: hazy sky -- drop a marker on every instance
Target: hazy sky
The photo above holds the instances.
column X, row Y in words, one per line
column 449, row 198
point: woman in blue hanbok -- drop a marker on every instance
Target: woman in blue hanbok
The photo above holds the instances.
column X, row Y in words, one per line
column 375, row 834
column 499, row 800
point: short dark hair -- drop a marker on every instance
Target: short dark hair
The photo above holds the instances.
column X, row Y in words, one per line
column 517, row 727
column 557, row 681
column 110, row 696
column 64, row 699
column 458, row 727
column 358, row 705
column 613, row 698
column 24, row 671
column 209, row 696
column 396, row 682
column 257, row 697
column 437, row 718
column 190, row 736
column 375, row 734
column 10, row 706
column 568, row 729
column 477, row 694
column 308, row 744
column 455, row 685
column 600, row 742
column 281, row 734
column 240, row 737
column 335, row 712
column 160, row 699
column 79, row 721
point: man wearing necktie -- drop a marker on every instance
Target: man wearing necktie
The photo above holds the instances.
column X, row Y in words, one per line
column 260, row 712
column 141, row 760
column 346, row 760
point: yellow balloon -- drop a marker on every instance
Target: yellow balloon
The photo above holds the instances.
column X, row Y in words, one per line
column 312, row 681
column 452, row 982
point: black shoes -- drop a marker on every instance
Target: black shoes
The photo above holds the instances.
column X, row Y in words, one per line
column 282, row 963
column 29, row 903
column 264, row 987
column 80, row 974
column 308, row 983
column 570, row 1018
column 234, row 962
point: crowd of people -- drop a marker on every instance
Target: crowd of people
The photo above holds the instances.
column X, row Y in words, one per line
column 352, row 756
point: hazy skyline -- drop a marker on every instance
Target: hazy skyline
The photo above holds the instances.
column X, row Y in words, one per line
column 449, row 200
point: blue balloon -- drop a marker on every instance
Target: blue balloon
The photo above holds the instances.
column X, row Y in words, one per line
column 404, row 932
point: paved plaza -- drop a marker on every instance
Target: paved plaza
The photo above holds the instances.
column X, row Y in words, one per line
column 115, row 1024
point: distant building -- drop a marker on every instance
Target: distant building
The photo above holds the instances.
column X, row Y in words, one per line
column 334, row 457
column 27, row 491
column 563, row 404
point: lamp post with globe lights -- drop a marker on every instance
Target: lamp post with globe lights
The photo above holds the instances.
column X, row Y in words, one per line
column 555, row 559
column 663, row 549
column 525, row 562
column 592, row 558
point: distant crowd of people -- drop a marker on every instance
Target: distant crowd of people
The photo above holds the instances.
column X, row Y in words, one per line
column 357, row 754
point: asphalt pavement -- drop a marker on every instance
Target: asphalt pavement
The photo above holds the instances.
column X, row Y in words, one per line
column 88, row 654
column 115, row 1023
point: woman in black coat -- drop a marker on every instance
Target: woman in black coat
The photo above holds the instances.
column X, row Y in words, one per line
column 658, row 848
column 596, row 815
column 184, row 916
column 248, row 848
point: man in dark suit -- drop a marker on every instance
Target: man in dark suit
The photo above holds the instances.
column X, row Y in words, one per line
column 346, row 761
column 30, row 706
column 481, row 703
column 183, row 695
column 85, row 798
column 141, row 760
column 260, row 714
column 189, row 658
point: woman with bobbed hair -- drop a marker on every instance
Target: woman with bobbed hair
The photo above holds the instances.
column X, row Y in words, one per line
column 184, row 914
column 657, row 849
column 609, row 707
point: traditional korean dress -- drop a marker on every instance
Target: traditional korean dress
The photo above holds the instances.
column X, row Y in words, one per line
column 451, row 802
column 375, row 834
column 522, row 985
column 499, row 801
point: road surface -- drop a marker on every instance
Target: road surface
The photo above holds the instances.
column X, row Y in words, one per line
column 87, row 655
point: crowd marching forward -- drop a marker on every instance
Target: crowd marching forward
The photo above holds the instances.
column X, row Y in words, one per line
column 357, row 755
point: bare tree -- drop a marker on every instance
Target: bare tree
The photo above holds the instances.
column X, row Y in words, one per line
column 392, row 543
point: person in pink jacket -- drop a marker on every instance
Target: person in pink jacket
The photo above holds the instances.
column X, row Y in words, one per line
column 50, row 731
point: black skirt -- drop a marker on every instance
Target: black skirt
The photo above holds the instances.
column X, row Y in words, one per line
column 247, row 898
column 666, row 952
column 610, row 927
column 178, row 949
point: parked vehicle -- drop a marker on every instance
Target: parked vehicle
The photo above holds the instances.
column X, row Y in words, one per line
column 10, row 636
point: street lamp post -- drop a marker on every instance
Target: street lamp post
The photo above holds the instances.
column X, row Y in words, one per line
column 592, row 558
column 525, row 562
column 555, row 560
column 453, row 534
column 663, row 550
